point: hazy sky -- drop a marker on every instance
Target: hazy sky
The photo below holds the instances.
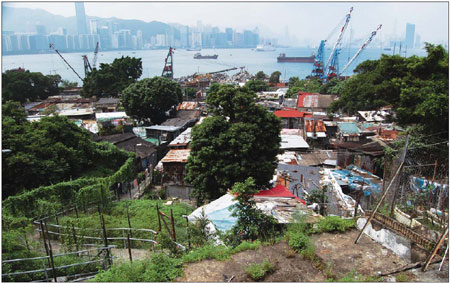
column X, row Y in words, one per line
column 307, row 22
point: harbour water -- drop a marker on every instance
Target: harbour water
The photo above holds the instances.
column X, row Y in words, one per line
column 185, row 64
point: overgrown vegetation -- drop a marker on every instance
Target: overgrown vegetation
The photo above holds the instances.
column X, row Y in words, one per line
column 159, row 268
column 257, row 271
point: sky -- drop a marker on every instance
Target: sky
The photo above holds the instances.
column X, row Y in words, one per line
column 304, row 22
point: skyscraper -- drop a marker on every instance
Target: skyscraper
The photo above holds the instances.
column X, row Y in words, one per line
column 81, row 18
column 409, row 37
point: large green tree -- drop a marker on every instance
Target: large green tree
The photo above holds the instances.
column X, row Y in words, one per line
column 257, row 85
column 240, row 140
column 275, row 77
column 51, row 150
column 416, row 87
column 110, row 79
column 22, row 85
column 151, row 98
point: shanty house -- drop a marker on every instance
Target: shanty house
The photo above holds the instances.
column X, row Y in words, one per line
column 314, row 102
column 174, row 164
column 290, row 118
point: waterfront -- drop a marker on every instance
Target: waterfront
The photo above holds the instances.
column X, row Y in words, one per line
column 185, row 64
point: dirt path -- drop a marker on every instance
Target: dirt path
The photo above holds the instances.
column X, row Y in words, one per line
column 288, row 269
column 367, row 257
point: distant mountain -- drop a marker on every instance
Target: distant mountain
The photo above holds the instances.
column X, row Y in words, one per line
column 25, row 20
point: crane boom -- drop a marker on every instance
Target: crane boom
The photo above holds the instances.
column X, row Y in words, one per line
column 361, row 49
column 56, row 50
column 94, row 62
column 341, row 34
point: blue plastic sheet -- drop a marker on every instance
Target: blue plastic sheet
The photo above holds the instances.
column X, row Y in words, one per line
column 222, row 219
column 355, row 181
column 420, row 185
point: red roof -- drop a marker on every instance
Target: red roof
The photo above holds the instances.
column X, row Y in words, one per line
column 291, row 113
column 278, row 191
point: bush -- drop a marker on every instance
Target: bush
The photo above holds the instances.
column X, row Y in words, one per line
column 245, row 245
column 208, row 251
column 335, row 223
column 159, row 268
column 257, row 271
column 298, row 241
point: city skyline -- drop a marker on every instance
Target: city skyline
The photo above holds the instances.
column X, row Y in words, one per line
column 430, row 19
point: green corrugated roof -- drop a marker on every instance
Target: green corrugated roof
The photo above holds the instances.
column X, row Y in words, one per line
column 153, row 141
column 348, row 128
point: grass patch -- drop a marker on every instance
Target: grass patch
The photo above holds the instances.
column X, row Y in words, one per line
column 352, row 276
column 246, row 246
column 335, row 223
column 159, row 268
column 208, row 251
column 257, row 271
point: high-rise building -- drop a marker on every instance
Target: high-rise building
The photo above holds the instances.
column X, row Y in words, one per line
column 409, row 37
column 418, row 43
column 40, row 29
column 93, row 26
column 81, row 18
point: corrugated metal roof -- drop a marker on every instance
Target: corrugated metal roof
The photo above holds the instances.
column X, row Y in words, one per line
column 110, row 115
column 163, row 128
column 183, row 139
column 309, row 126
column 187, row 105
column 348, row 128
column 293, row 142
column 176, row 155
column 291, row 113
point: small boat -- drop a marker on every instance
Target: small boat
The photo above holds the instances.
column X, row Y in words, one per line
column 264, row 48
column 200, row 56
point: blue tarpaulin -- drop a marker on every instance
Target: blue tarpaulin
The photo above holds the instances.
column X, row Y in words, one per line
column 354, row 181
column 420, row 185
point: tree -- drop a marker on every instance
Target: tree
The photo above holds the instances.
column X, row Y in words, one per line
column 257, row 85
column 260, row 76
column 292, row 81
column 275, row 77
column 110, row 79
column 22, row 85
column 151, row 98
column 240, row 140
column 251, row 223
column 68, row 84
column 46, row 152
column 13, row 110
column 416, row 88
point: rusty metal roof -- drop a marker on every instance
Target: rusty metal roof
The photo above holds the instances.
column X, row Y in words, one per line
column 176, row 155
column 187, row 105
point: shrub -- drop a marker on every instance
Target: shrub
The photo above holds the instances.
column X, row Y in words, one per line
column 257, row 271
column 245, row 245
column 159, row 268
column 335, row 223
column 298, row 241
column 208, row 251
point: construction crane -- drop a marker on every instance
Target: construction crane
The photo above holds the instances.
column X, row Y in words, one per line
column 317, row 71
column 67, row 63
column 87, row 65
column 361, row 49
column 334, row 53
column 168, row 65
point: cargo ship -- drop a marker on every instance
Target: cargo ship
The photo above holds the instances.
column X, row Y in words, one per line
column 283, row 59
column 200, row 56
column 262, row 48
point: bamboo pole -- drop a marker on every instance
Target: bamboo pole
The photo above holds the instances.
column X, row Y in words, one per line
column 129, row 222
column 172, row 221
column 159, row 218
column 436, row 248
column 51, row 254
column 129, row 248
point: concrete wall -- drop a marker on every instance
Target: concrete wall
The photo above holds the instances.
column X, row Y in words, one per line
column 390, row 240
column 182, row 192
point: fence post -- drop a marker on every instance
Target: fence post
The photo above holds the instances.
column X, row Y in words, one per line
column 159, row 219
column 129, row 247
column 43, row 237
column 74, row 238
column 45, row 269
column 51, row 253
column 129, row 222
column 76, row 211
column 172, row 221
column 105, row 239
column 123, row 237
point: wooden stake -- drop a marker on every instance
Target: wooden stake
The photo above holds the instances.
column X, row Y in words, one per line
column 51, row 254
column 436, row 248
column 129, row 247
column 129, row 222
column 105, row 239
column 394, row 198
column 74, row 237
column 76, row 212
column 384, row 171
column 172, row 220
column 159, row 218
column 43, row 237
